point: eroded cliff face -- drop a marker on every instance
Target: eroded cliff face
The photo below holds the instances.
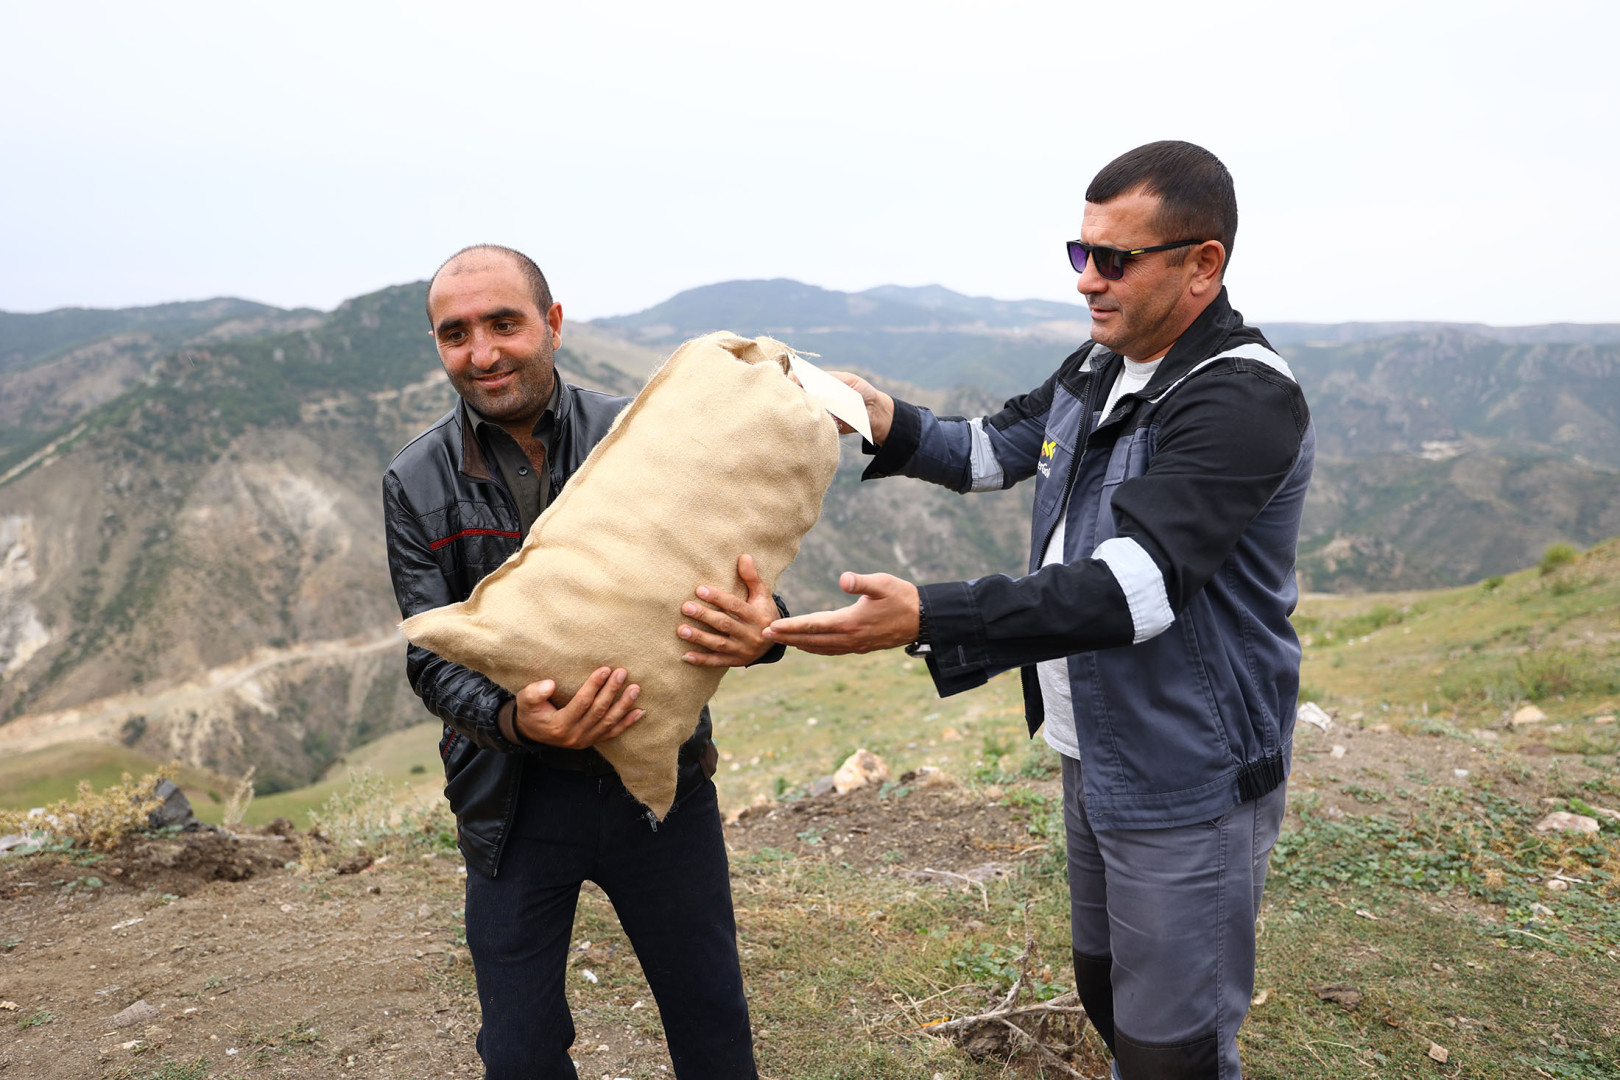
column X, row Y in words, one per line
column 22, row 634
column 228, row 610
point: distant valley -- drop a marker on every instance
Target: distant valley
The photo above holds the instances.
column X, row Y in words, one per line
column 190, row 545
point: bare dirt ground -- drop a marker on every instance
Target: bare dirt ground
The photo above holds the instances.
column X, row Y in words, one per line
column 266, row 971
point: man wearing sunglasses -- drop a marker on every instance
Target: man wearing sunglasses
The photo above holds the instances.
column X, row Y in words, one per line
column 1170, row 455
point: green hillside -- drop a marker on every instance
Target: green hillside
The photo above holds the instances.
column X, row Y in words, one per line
column 1470, row 656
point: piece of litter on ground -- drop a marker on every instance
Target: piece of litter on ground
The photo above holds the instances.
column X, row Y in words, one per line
column 1314, row 714
column 1438, row 1052
column 638, row 1005
column 1259, row 999
column 1338, row 750
column 128, row 922
column 590, row 976
column 1461, row 774
column 1365, row 914
column 8, row 1006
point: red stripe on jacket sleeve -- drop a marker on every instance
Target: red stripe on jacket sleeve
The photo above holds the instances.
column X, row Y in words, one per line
column 437, row 544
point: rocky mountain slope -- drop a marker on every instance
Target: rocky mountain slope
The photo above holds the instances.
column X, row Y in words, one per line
column 191, row 562
column 190, row 550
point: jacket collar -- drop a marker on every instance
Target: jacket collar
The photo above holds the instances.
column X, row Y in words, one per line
column 1204, row 338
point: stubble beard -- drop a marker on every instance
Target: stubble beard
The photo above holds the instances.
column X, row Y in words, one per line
column 524, row 399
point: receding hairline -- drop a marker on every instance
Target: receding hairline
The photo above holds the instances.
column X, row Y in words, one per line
column 470, row 260
column 475, row 258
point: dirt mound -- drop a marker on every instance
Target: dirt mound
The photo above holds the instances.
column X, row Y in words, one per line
column 925, row 822
column 178, row 864
column 175, row 864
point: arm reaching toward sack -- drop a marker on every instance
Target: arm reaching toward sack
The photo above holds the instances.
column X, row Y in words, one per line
column 887, row 615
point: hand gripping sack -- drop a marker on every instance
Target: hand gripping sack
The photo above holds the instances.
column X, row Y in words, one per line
column 719, row 455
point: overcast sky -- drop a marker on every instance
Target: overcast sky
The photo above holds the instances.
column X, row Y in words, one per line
column 1410, row 160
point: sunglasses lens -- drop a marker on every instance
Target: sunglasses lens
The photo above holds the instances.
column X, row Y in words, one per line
column 1077, row 257
column 1109, row 263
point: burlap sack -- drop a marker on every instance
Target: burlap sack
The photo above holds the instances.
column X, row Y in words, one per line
column 719, row 455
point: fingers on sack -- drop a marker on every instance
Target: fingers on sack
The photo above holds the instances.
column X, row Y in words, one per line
column 705, row 640
column 624, row 722
column 614, row 697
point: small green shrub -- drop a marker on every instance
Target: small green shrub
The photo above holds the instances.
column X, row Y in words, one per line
column 1556, row 557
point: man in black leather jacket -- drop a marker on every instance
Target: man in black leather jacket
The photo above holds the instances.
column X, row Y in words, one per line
column 537, row 810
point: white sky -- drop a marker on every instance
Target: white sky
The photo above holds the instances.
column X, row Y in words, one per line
column 1410, row 160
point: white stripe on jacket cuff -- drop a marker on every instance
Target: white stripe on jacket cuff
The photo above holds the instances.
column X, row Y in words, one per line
column 1142, row 583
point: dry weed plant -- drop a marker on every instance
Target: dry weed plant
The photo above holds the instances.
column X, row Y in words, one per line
column 373, row 816
column 240, row 799
column 92, row 819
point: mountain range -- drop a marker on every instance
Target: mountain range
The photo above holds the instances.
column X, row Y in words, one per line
column 190, row 543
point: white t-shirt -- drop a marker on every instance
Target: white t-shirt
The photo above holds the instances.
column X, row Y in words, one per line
column 1054, row 674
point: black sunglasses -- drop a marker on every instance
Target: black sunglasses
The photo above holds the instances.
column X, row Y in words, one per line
column 1110, row 262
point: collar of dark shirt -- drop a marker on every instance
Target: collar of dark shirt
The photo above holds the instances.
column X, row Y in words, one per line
column 545, row 427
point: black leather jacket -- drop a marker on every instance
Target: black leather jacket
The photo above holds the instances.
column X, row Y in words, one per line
column 450, row 520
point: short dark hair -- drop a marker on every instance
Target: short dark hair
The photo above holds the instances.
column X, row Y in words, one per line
column 1196, row 199
column 526, row 266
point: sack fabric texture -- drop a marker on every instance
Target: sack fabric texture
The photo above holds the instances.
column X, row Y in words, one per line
column 720, row 455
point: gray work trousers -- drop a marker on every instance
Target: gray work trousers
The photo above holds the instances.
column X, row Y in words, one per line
column 1163, row 928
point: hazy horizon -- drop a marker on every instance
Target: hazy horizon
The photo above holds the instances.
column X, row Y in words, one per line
column 1394, row 162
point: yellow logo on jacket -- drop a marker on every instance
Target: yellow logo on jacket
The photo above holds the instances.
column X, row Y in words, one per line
column 1048, row 451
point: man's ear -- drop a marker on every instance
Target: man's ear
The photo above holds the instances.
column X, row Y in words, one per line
column 554, row 320
column 1208, row 263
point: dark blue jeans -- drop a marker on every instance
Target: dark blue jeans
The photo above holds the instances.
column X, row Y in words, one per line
column 672, row 892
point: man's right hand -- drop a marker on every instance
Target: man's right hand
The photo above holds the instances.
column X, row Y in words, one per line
column 600, row 710
column 879, row 406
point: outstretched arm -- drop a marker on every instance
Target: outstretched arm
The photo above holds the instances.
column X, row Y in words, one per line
column 886, row 616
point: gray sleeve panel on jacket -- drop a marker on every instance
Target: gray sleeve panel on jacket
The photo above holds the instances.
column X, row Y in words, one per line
column 984, row 467
column 1142, row 583
column 457, row 695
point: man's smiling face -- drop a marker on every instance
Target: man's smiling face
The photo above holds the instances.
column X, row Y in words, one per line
column 496, row 345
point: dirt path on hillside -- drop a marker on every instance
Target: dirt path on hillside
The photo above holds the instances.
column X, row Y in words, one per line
column 100, row 719
column 265, row 971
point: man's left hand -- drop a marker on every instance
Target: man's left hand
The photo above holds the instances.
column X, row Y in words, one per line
column 886, row 616
column 731, row 630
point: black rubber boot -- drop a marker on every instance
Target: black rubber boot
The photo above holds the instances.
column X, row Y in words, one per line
column 1093, row 982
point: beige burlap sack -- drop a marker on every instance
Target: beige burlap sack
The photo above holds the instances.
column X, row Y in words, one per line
column 718, row 456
